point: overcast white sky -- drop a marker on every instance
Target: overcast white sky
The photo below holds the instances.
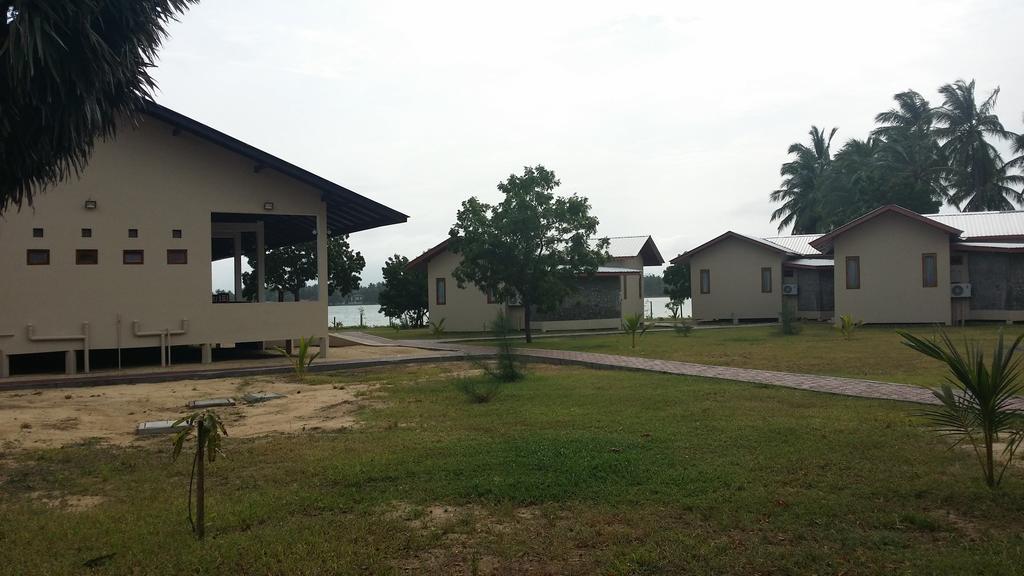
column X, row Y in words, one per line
column 672, row 117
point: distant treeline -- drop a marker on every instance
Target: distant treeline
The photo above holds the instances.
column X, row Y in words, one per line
column 654, row 286
column 364, row 295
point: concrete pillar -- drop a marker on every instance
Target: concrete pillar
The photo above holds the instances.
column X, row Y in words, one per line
column 70, row 363
column 325, row 346
column 238, row 266
column 207, row 353
column 5, row 365
column 261, row 254
column 322, row 234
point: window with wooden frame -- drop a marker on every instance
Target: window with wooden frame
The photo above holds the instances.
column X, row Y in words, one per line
column 177, row 257
column 87, row 257
column 133, row 257
column 705, row 281
column 929, row 270
column 853, row 272
column 37, row 257
column 766, row 280
column 640, row 286
column 440, row 292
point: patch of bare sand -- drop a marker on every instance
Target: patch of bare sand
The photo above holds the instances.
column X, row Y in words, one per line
column 67, row 502
column 61, row 416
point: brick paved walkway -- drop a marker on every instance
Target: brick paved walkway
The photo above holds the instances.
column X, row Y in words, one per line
column 815, row 383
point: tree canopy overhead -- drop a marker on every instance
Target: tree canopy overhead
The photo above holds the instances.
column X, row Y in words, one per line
column 531, row 246
column 918, row 157
column 69, row 71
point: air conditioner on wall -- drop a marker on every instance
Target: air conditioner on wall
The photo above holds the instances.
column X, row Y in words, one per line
column 790, row 289
column 961, row 290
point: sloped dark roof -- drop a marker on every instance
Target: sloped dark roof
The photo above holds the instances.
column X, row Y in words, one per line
column 685, row 256
column 347, row 211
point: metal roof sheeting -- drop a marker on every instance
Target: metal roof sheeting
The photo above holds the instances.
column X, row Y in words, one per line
column 797, row 244
column 984, row 224
column 625, row 246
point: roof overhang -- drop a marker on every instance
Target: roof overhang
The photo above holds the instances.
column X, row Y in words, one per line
column 809, row 263
column 824, row 244
column 685, row 256
column 347, row 211
column 422, row 259
column 1002, row 247
column 650, row 255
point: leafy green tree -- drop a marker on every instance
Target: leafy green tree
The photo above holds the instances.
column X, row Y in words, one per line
column 803, row 184
column 531, row 246
column 290, row 268
column 404, row 295
column 70, row 71
column 677, row 282
column 977, row 177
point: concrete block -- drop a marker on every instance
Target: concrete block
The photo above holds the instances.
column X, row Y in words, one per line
column 154, row 427
column 210, row 403
column 70, row 363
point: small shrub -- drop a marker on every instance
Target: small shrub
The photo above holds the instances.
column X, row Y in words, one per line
column 683, row 328
column 634, row 325
column 506, row 367
column 479, row 390
column 976, row 400
column 675, row 308
column 336, row 324
column 847, row 325
column 209, row 431
column 301, row 359
column 437, row 328
column 789, row 324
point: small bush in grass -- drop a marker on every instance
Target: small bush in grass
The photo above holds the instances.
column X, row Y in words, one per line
column 789, row 324
column 635, row 326
column 301, row 358
column 506, row 367
column 437, row 328
column 479, row 390
column 976, row 402
column 847, row 325
column 683, row 328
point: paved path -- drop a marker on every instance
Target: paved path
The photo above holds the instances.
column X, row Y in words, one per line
column 826, row 384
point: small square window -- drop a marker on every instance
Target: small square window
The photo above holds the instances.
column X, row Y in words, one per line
column 134, row 257
column 37, row 232
column 86, row 232
column 176, row 233
column 177, row 256
column 38, row 257
column 133, row 232
column 87, row 257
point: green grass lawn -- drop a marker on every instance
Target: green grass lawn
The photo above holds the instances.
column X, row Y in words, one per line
column 571, row 471
column 874, row 353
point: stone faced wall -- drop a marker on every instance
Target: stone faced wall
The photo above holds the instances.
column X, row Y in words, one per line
column 596, row 297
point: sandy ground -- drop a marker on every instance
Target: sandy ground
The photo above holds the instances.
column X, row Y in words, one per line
column 60, row 416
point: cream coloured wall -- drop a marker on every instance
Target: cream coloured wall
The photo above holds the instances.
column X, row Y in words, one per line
column 153, row 181
column 890, row 248
column 466, row 309
column 735, row 266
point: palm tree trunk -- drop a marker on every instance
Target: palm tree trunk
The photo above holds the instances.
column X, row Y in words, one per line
column 200, row 482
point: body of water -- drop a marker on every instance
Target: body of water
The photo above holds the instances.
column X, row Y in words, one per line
column 348, row 314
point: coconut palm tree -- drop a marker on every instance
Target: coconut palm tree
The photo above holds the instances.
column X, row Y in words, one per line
column 912, row 114
column 803, row 183
column 977, row 178
column 70, row 70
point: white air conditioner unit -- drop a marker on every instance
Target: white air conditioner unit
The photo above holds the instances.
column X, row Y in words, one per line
column 961, row 290
column 790, row 289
